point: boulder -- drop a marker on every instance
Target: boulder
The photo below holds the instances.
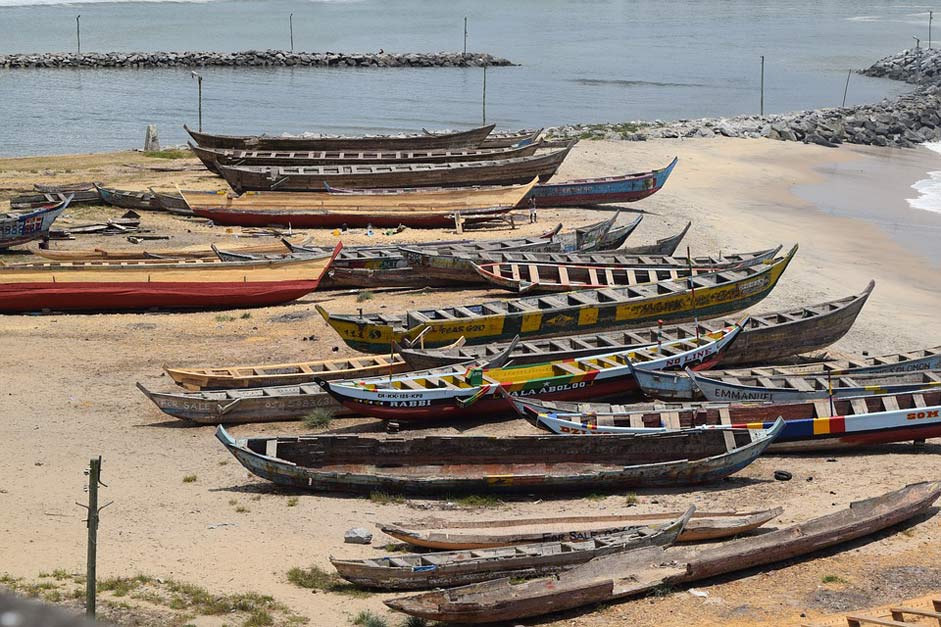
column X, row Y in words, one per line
column 357, row 535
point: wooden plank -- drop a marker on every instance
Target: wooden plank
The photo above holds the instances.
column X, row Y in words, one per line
column 856, row 620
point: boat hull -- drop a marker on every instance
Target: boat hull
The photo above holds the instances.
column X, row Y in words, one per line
column 339, row 218
column 590, row 192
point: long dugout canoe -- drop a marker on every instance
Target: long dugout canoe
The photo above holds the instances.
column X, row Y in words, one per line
column 507, row 464
column 319, row 178
column 416, row 141
column 713, row 295
column 597, row 191
column 20, row 227
column 630, row 574
column 268, row 246
column 212, row 157
column 677, row 386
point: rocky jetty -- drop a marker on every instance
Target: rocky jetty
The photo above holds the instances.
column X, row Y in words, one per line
column 248, row 58
column 902, row 121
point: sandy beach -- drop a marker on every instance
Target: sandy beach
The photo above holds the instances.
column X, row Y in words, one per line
column 68, row 394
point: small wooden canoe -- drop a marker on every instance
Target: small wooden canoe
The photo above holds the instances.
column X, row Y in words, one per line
column 796, row 388
column 510, row 138
column 623, row 575
column 266, row 246
column 21, row 227
column 95, row 286
column 665, row 246
column 128, row 200
column 598, row 191
column 420, row 571
column 705, row 296
column 38, row 201
column 491, row 465
column 768, row 337
column 817, row 425
column 171, row 202
column 318, row 178
column 443, row 535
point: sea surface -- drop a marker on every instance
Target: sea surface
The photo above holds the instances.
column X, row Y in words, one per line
column 581, row 61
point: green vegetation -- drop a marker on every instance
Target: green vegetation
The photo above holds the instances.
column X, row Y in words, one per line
column 631, row 499
column 246, row 315
column 833, row 579
column 384, row 498
column 415, row 621
column 318, row 418
column 241, row 509
column 367, row 619
column 189, row 479
column 316, row 578
column 168, row 154
column 396, row 547
column 478, row 501
column 292, row 501
column 364, row 296
column 224, row 318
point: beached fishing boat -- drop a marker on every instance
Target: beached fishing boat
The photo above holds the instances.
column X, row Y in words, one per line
column 623, row 575
column 416, row 141
column 704, row 296
column 172, row 202
column 128, row 200
column 260, row 246
column 492, row 465
column 796, row 388
column 213, row 157
column 767, row 337
column 421, row 571
column 510, row 138
column 138, row 285
column 20, row 227
column 319, row 178
column 38, row 201
column 598, row 191
column 442, row 535
column 820, row 424
column 457, row 392
column 664, row 246
column 602, row 235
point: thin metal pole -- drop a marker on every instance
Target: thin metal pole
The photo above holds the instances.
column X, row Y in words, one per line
column 465, row 35
column 847, row 86
column 484, row 98
column 762, row 84
column 78, row 32
column 199, row 87
column 930, row 18
column 94, row 476
column 291, row 20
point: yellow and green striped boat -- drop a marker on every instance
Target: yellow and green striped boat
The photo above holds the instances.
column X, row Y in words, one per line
column 706, row 295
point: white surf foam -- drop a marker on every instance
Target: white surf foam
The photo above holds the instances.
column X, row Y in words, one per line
column 929, row 189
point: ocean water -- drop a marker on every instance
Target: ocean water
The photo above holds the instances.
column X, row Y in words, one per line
column 929, row 189
column 581, row 61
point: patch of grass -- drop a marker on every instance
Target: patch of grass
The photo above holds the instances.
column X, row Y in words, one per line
column 256, row 497
column 364, row 296
column 832, row 579
column 233, row 502
column 316, row 578
column 367, row 619
column 167, row 154
column 60, row 574
column 663, row 590
column 292, row 501
column 415, row 621
column 241, row 509
column 478, row 501
column 259, row 618
column 631, row 499
column 224, row 462
column 396, row 547
column 122, row 586
column 246, row 315
column 384, row 498
column 189, row 479
column 318, row 418
column 224, row 318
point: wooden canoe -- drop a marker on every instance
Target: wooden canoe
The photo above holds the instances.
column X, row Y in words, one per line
column 229, row 377
column 212, row 157
column 140, row 285
column 417, row 141
column 171, row 202
column 21, row 227
column 676, row 386
column 665, row 246
column 463, row 391
column 767, row 337
column 38, row 201
column 201, row 251
column 487, row 464
column 443, row 535
column 128, row 200
column 421, row 571
column 318, row 178
column 602, row 235
column 564, row 314
column 796, row 388
column 510, row 138
column 598, row 191
column 817, row 425
column 623, row 575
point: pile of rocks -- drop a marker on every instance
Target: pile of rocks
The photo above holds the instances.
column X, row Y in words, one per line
column 247, row 58
column 903, row 121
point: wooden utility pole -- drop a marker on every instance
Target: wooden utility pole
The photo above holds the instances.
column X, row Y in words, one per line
column 78, row 33
column 762, row 110
column 465, row 35
column 291, row 20
column 94, row 480
column 199, row 96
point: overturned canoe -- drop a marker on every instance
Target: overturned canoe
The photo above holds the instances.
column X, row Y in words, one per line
column 521, row 463
column 704, row 296
column 420, row 571
column 415, row 141
column 810, row 425
column 598, row 191
column 480, row 534
column 320, row 178
column 20, row 227
column 483, row 389
column 632, row 573
column 769, row 337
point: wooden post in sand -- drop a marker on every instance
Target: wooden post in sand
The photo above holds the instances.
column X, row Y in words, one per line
column 847, row 86
column 94, row 480
column 762, row 110
column 484, row 97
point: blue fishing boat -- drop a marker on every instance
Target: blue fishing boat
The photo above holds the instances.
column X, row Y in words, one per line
column 19, row 227
column 598, row 191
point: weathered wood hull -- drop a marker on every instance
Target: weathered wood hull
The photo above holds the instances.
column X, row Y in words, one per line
column 563, row 314
column 633, row 573
column 352, row 218
column 20, row 228
column 314, row 179
column 271, row 246
column 128, row 200
column 37, row 201
column 172, row 203
column 590, row 192
column 665, row 246
column 443, row 464
column 426, row 141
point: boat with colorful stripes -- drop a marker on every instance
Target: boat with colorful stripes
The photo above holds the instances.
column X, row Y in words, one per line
column 597, row 191
column 475, row 390
column 676, row 386
column 704, row 296
column 20, row 227
column 821, row 424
